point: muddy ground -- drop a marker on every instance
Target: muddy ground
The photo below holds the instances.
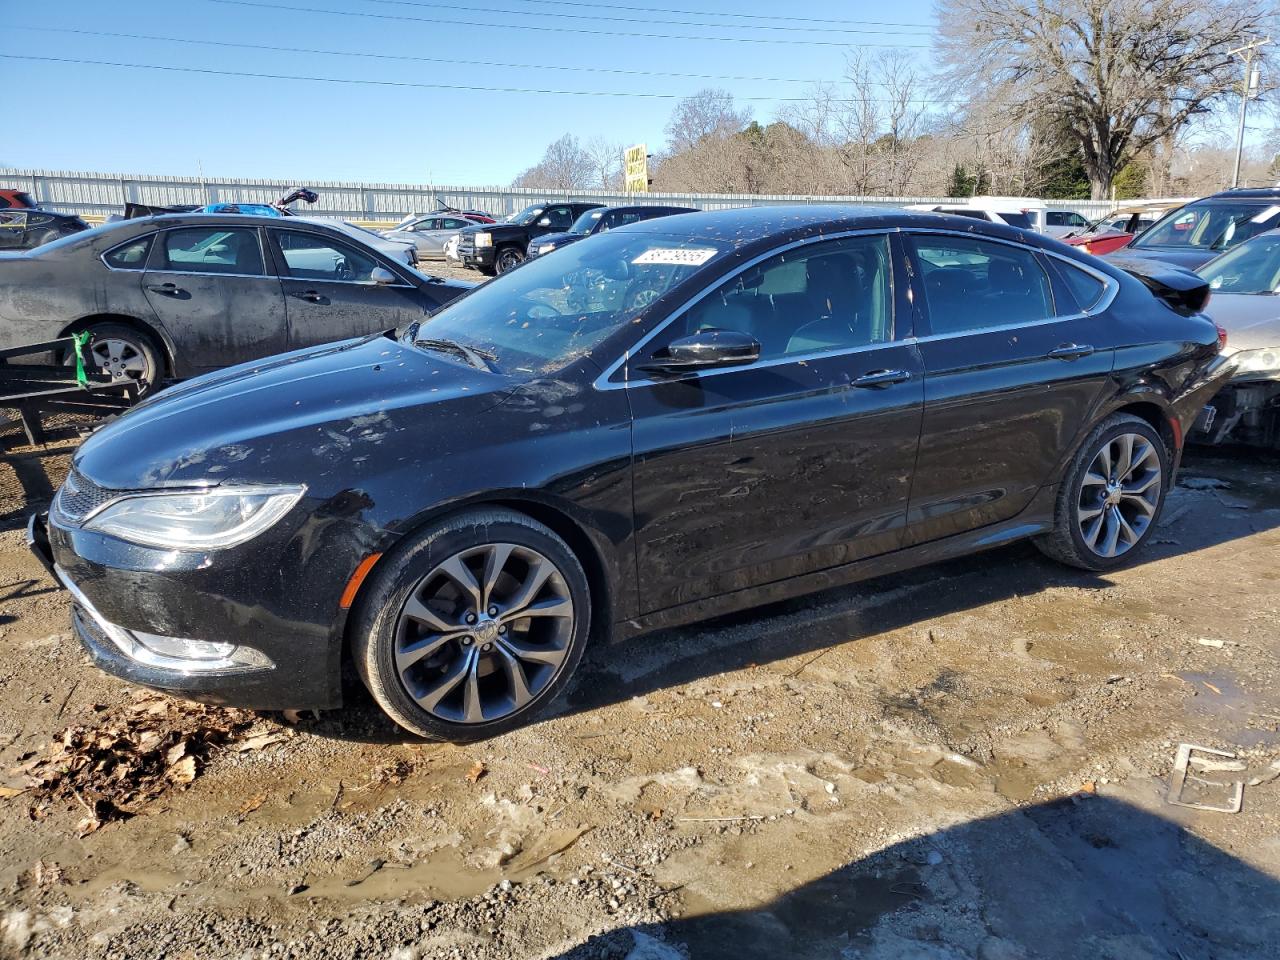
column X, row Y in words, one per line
column 968, row 761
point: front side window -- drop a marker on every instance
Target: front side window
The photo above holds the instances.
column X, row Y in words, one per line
column 1253, row 267
column 213, row 250
column 828, row 296
column 131, row 255
column 1210, row 225
column 972, row 284
column 555, row 309
column 308, row 256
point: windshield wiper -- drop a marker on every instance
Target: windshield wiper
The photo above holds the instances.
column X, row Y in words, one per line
column 480, row 359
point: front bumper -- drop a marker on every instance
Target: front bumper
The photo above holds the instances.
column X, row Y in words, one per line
column 121, row 591
column 478, row 258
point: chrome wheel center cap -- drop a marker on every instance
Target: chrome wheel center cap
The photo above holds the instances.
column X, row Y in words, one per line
column 1113, row 494
column 486, row 631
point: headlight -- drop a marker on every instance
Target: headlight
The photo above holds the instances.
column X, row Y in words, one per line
column 1250, row 363
column 207, row 520
column 546, row 248
column 484, row 240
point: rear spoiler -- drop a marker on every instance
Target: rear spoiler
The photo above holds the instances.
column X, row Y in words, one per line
column 1181, row 289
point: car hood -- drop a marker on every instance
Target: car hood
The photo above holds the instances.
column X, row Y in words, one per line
column 1190, row 259
column 1252, row 321
column 559, row 239
column 286, row 417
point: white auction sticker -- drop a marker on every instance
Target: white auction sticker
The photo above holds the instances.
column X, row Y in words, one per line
column 673, row 257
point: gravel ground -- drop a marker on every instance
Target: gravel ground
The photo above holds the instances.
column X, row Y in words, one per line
column 967, row 761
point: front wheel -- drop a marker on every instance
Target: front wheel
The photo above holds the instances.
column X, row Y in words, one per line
column 1111, row 496
column 508, row 259
column 473, row 627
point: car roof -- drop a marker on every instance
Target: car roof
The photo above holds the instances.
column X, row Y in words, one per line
column 1249, row 193
column 745, row 225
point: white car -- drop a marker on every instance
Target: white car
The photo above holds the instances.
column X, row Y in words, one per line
column 403, row 251
column 1027, row 213
column 451, row 249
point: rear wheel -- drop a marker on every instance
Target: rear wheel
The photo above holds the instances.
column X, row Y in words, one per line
column 508, row 257
column 122, row 353
column 1111, row 497
column 472, row 627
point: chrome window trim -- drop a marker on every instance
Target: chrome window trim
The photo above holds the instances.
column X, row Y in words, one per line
column 124, row 243
column 603, row 382
column 199, row 273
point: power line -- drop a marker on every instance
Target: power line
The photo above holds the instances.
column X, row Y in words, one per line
column 412, row 59
column 716, row 13
column 917, row 30
column 542, row 29
column 421, row 86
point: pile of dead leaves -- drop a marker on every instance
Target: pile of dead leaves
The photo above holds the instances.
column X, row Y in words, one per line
column 114, row 769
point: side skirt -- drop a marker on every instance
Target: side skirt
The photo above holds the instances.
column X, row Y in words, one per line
column 1035, row 519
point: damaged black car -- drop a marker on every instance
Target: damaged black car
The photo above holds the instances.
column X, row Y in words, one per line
column 659, row 424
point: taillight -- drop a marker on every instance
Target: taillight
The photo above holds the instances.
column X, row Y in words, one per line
column 1088, row 248
column 1222, row 335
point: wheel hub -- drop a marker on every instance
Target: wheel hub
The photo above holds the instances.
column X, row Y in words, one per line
column 486, row 631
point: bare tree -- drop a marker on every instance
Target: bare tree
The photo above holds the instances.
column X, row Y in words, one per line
column 708, row 113
column 565, row 166
column 607, row 160
column 1119, row 74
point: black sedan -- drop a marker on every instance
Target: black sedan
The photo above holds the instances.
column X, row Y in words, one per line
column 600, row 220
column 669, row 421
column 25, row 229
column 179, row 295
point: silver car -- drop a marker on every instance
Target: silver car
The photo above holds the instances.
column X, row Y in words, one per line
column 1245, row 284
column 430, row 233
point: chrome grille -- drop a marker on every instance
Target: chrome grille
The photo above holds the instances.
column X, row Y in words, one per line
column 80, row 496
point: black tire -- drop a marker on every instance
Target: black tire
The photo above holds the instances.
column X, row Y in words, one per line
column 1067, row 542
column 376, row 623
column 508, row 258
column 140, row 351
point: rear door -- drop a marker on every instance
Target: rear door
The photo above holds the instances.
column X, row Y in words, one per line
column 795, row 463
column 216, row 294
column 329, row 291
column 1012, row 369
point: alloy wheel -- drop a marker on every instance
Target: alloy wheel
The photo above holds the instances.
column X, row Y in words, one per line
column 119, row 358
column 1119, row 495
column 484, row 633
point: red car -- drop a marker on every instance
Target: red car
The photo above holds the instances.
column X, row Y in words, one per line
column 16, row 199
column 1117, row 228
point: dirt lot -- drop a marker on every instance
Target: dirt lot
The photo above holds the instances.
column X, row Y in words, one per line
column 968, row 761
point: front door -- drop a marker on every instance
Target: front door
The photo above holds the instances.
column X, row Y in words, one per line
column 798, row 462
column 1012, row 370
column 211, row 290
column 330, row 293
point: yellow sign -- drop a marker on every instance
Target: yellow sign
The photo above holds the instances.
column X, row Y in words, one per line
column 637, row 163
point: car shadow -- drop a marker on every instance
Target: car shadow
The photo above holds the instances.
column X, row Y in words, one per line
column 1221, row 496
column 1078, row 877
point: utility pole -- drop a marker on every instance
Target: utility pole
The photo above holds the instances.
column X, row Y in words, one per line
column 1250, row 84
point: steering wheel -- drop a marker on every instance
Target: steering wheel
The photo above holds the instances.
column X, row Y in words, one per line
column 342, row 269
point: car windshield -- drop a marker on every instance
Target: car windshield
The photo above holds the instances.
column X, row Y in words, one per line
column 552, row 310
column 1252, row 267
column 584, row 223
column 1209, row 225
column 527, row 215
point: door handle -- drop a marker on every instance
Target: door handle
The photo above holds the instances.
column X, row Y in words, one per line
column 311, row 296
column 882, row 378
column 1070, row 351
column 170, row 289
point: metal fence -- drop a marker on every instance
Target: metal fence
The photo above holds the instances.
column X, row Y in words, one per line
column 102, row 194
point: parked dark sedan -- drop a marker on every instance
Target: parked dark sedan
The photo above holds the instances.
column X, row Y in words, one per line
column 598, row 221
column 680, row 418
column 23, row 228
column 178, row 295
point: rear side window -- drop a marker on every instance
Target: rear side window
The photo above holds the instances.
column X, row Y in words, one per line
column 226, row 250
column 1016, row 219
column 131, row 255
column 973, row 284
column 1085, row 287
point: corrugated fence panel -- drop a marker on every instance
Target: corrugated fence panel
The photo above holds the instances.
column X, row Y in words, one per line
column 102, row 194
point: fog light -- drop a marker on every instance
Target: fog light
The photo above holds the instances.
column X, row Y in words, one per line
column 182, row 648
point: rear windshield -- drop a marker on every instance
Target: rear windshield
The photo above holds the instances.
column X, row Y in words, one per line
column 1210, row 225
column 1018, row 219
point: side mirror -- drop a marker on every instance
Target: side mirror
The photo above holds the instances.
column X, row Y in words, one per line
column 382, row 277
column 704, row 350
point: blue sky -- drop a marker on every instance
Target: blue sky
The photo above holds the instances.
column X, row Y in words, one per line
column 117, row 119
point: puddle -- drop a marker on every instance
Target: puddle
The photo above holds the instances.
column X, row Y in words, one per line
column 1247, row 721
